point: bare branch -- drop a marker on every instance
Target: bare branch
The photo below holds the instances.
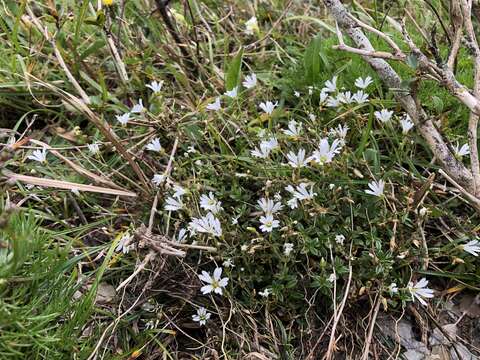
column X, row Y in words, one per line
column 473, row 120
column 385, row 37
column 375, row 54
column 425, row 126
column 456, row 20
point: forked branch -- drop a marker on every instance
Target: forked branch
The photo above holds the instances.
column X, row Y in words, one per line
column 433, row 68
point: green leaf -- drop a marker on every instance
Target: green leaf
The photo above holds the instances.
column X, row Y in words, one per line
column 313, row 60
column 233, row 73
column 92, row 49
column 99, row 20
column 365, row 135
column 437, row 104
column 372, row 156
column 412, row 61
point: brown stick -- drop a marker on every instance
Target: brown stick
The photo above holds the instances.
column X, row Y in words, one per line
column 59, row 184
column 371, row 326
column 187, row 57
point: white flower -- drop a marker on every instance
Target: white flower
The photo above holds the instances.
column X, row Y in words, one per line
column 228, row 263
column 326, row 152
column 461, row 151
column 266, row 146
column 251, row 26
column 232, row 93
column 250, row 81
column 332, row 278
column 268, row 223
column 214, row 283
column 173, row 203
column 210, row 203
column 376, row 188
column 271, row 143
column 384, row 115
column 339, row 239
column 235, row 220
column 393, row 289
column 268, row 206
column 150, row 324
column 155, row 86
column 201, row 316
column 333, row 102
column 294, row 129
column 39, row 155
column 268, row 106
column 124, row 244
column 208, row 224
column 260, row 153
column 330, row 85
column 138, row 108
column 154, row 145
column 406, row 123
column 345, row 97
column 310, row 90
column 323, row 96
column 158, row 179
column 301, row 192
column 93, row 148
column 296, row 94
column 312, row 117
column 215, row 106
column 178, row 191
column 340, row 132
column 287, row 248
column 293, row 203
column 123, row 119
column 363, row 83
column 420, row 291
column 182, row 236
column 360, row 97
column 75, row 191
column 472, row 247
column 265, row 293
column 297, row 160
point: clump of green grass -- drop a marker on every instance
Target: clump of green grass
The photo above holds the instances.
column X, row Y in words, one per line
column 35, row 293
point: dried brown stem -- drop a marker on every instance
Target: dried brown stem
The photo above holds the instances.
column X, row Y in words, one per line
column 43, row 30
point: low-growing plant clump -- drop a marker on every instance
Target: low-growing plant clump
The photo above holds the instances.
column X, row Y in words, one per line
column 214, row 180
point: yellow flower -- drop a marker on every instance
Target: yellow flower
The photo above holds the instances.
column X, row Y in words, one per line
column 107, row 2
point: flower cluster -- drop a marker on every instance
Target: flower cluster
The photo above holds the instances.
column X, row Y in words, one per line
column 269, row 207
column 249, row 83
column 137, row 108
column 331, row 97
column 213, row 284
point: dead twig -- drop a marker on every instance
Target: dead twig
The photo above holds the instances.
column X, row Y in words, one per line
column 189, row 65
column 338, row 312
column 371, row 326
column 59, row 184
